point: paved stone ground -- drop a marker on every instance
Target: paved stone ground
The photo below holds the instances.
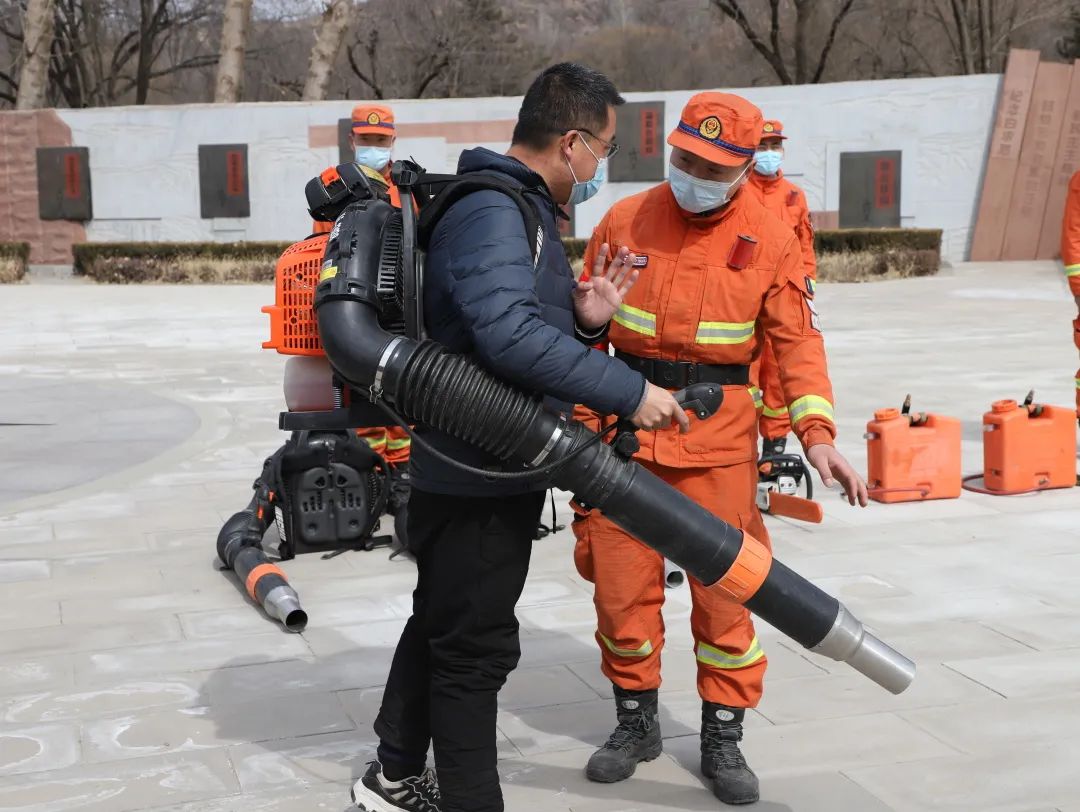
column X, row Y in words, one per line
column 134, row 676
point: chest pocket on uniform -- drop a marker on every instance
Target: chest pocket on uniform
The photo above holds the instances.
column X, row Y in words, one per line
column 729, row 307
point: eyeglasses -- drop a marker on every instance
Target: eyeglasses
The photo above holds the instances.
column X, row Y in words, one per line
column 610, row 147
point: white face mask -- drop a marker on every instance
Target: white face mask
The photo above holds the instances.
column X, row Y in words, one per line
column 373, row 157
column 696, row 195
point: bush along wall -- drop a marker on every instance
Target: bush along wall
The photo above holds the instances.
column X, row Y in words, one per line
column 179, row 263
column 867, row 254
column 14, row 257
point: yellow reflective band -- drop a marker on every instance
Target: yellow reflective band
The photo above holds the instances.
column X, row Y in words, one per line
column 1078, row 383
column 329, row 273
column 781, row 412
column 394, row 445
column 810, row 405
column 755, row 393
column 716, row 658
column 375, row 442
column 1072, row 270
column 724, row 332
column 640, row 321
column 644, row 650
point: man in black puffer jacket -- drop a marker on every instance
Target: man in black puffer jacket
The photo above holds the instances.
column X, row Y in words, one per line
column 472, row 535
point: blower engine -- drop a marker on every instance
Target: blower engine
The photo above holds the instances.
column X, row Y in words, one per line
column 368, row 310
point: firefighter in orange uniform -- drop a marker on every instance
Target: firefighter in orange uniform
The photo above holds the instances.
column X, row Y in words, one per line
column 718, row 273
column 372, row 139
column 788, row 202
column 1070, row 255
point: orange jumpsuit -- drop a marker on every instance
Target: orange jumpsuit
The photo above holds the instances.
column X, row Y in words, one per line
column 389, row 442
column 787, row 201
column 690, row 304
column 1070, row 255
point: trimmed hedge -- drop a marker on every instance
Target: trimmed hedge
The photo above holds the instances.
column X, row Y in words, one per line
column 14, row 258
column 835, row 241
column 873, row 266
column 178, row 262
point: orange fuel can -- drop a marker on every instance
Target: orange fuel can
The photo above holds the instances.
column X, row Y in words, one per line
column 1029, row 447
column 912, row 457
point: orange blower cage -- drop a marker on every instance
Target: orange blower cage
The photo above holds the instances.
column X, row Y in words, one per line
column 293, row 330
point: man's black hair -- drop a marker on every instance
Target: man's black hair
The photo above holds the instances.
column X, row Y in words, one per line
column 564, row 97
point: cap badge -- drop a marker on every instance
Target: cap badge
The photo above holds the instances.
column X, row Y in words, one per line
column 710, row 128
column 373, row 118
column 768, row 128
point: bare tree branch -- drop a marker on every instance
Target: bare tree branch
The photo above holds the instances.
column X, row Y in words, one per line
column 371, row 81
column 831, row 38
column 734, row 11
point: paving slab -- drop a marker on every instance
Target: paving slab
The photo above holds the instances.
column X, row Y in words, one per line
column 1025, row 779
column 129, row 786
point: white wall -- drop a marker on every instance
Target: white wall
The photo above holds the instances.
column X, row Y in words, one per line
column 144, row 163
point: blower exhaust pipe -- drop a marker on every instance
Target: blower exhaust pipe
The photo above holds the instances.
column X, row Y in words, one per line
column 427, row 384
column 239, row 548
column 673, row 576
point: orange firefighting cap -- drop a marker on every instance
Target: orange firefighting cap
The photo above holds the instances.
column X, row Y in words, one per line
column 773, row 129
column 719, row 127
column 373, row 118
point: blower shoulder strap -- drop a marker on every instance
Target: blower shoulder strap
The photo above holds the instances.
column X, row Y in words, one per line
column 443, row 191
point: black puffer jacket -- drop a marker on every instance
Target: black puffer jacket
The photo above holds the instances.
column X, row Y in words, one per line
column 483, row 298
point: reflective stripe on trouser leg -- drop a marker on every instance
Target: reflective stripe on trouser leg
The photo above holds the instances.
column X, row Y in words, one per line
column 716, row 658
column 730, row 662
column 628, row 592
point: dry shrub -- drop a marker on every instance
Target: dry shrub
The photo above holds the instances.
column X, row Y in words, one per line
column 11, row 270
column 14, row 257
column 180, row 270
column 872, row 266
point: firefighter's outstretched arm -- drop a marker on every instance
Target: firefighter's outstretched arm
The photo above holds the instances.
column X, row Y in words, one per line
column 789, row 316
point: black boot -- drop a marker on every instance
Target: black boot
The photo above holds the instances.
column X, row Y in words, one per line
column 772, row 448
column 637, row 738
column 721, row 731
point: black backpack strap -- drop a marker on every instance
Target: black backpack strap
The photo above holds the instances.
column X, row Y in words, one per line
column 449, row 189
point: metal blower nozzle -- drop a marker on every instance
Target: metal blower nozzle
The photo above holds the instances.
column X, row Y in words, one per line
column 849, row 642
column 283, row 603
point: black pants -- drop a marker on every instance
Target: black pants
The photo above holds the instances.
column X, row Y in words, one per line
column 461, row 641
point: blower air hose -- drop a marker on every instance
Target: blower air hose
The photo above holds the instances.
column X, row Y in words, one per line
column 425, row 383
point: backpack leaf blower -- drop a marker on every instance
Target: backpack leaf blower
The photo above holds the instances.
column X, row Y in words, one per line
column 414, row 380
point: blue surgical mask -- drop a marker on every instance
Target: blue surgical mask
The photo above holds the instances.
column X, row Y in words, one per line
column 373, row 157
column 767, row 162
column 584, row 189
column 696, row 195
